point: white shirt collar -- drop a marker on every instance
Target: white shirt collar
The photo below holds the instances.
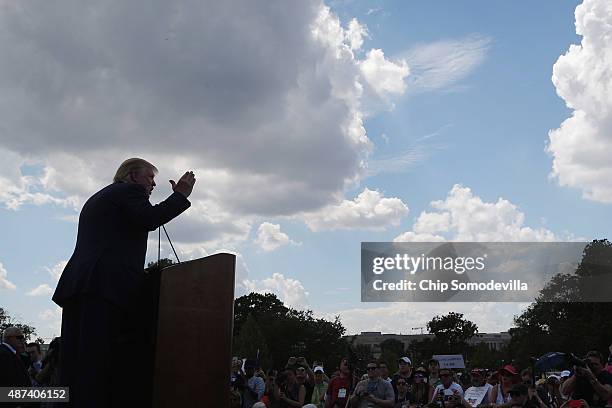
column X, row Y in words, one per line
column 10, row 347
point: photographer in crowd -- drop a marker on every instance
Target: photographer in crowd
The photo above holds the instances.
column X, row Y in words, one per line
column 288, row 391
column 373, row 392
column 590, row 381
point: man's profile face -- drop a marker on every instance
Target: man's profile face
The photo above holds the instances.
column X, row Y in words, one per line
column 145, row 178
column 384, row 371
column 17, row 341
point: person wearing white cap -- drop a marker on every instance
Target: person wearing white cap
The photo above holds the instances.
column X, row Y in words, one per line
column 320, row 388
column 404, row 372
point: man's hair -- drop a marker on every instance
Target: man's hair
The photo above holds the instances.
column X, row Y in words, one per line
column 596, row 354
column 374, row 362
column 34, row 345
column 130, row 166
column 10, row 331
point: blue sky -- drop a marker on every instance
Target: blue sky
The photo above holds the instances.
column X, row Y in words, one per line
column 311, row 127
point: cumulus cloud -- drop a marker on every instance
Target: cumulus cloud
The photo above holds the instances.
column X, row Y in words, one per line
column 369, row 210
column 40, row 290
column 462, row 216
column 441, row 64
column 4, row 282
column 582, row 145
column 290, row 291
column 355, row 33
column 270, row 237
column 383, row 75
column 80, row 90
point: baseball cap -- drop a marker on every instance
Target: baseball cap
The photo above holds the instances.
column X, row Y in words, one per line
column 509, row 369
column 318, row 369
column 405, row 360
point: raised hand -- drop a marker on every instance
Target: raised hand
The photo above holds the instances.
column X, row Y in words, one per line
column 185, row 184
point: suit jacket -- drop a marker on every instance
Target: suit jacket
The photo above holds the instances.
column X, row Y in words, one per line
column 13, row 372
column 111, row 246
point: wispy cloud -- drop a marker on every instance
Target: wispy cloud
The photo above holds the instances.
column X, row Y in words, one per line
column 413, row 156
column 373, row 11
column 443, row 63
column 397, row 163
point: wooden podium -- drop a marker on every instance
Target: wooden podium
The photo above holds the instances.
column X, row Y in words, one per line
column 194, row 333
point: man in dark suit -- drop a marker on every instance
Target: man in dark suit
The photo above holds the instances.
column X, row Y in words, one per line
column 99, row 289
column 13, row 372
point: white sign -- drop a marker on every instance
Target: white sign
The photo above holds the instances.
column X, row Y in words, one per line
column 450, row 360
column 474, row 395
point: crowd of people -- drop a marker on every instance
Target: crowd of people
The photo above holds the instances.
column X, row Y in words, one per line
column 588, row 384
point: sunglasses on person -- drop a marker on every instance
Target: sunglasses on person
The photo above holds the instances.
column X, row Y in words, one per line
column 401, row 383
column 444, row 375
column 20, row 337
column 372, row 368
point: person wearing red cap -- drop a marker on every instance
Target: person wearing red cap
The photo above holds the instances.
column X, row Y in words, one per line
column 508, row 377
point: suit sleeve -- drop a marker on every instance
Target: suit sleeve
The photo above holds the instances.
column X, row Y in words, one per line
column 139, row 210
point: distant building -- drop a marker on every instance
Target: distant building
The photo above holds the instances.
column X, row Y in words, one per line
column 495, row 341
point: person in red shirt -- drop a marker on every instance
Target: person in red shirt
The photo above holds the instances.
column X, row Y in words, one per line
column 340, row 387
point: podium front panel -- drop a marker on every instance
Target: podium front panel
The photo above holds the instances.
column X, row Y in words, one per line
column 194, row 337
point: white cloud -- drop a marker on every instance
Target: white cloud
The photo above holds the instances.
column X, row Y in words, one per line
column 355, row 34
column 53, row 319
column 56, row 270
column 270, row 237
column 383, row 75
column 369, row 210
column 462, row 216
column 4, row 282
column 440, row 64
column 582, row 145
column 81, row 90
column 289, row 291
column 40, row 290
column 402, row 317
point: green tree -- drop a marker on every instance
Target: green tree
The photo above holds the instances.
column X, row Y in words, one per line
column 7, row 321
column 289, row 332
column 251, row 342
column 163, row 262
column 552, row 322
column 452, row 332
